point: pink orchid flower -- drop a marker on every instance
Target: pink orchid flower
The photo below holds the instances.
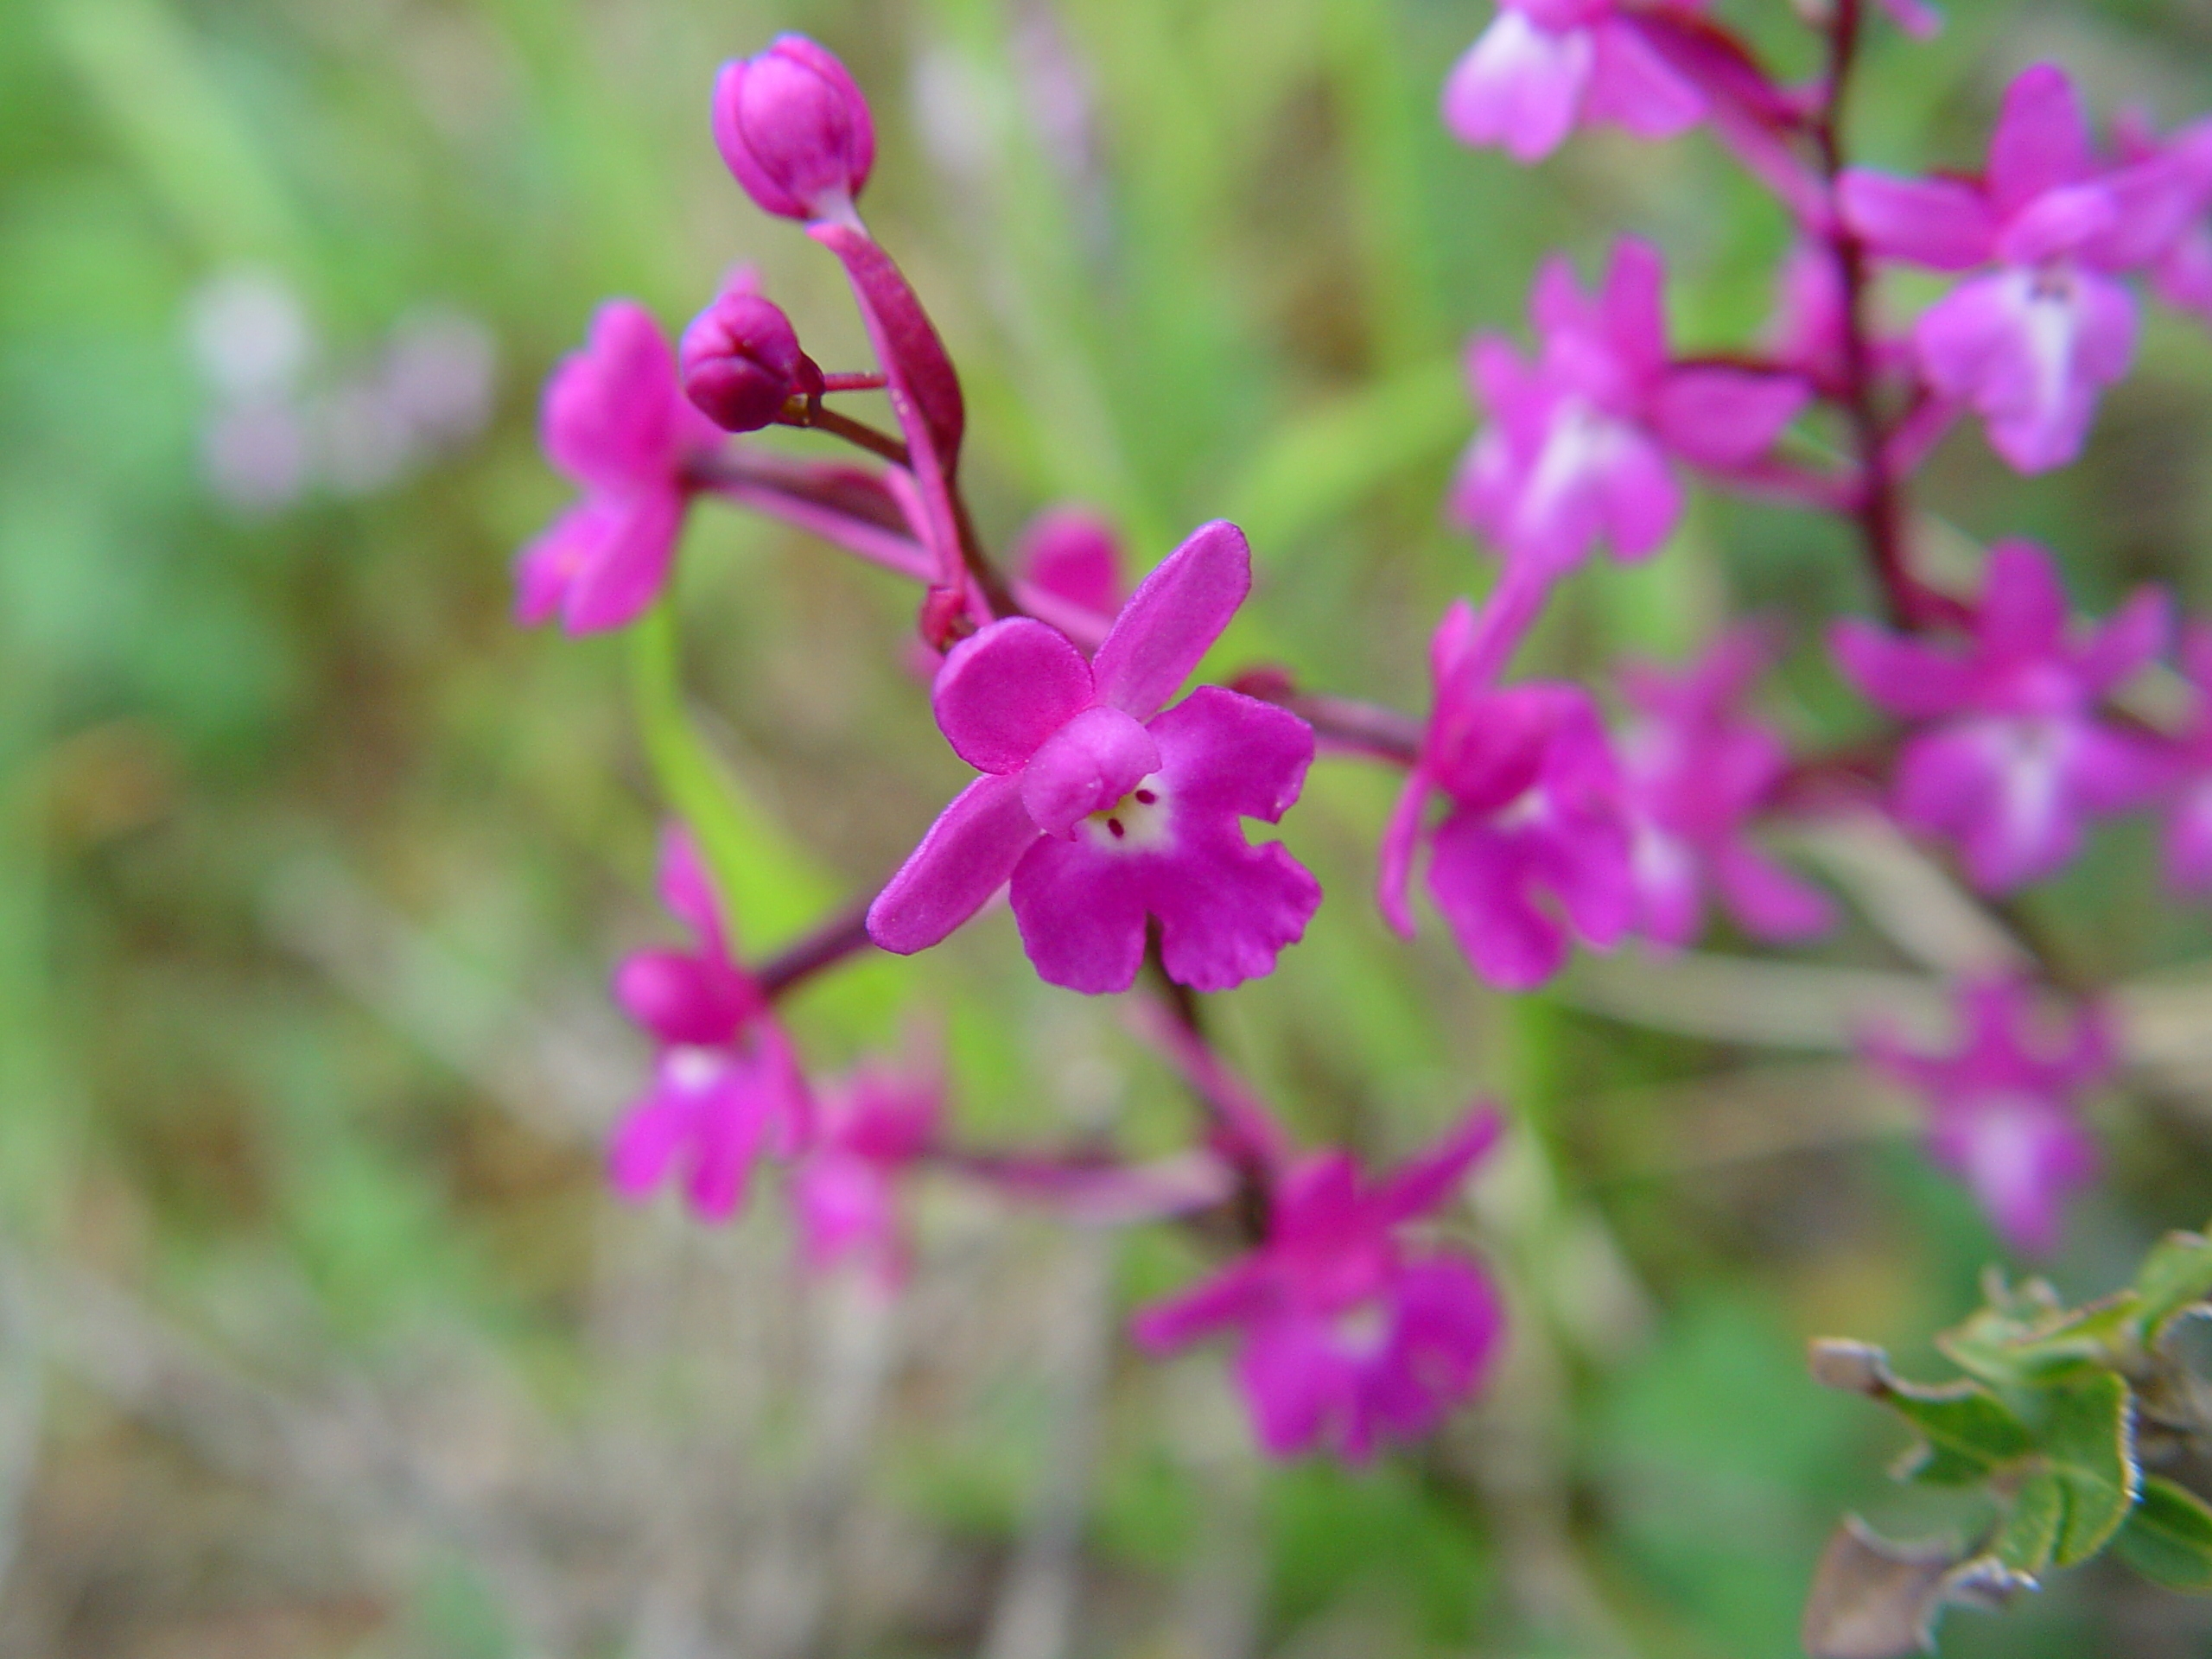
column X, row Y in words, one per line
column 1577, row 446
column 1696, row 771
column 1534, row 848
column 2009, row 758
column 1351, row 1337
column 2031, row 344
column 2002, row 1107
column 615, row 420
column 1544, row 67
column 869, row 1130
column 1107, row 813
column 727, row 1086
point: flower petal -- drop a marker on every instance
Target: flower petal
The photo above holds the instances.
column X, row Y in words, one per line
column 1226, row 752
column 1632, row 85
column 1943, row 224
column 1172, row 620
column 1085, row 767
column 623, row 575
column 1004, row 691
column 969, row 853
column 611, row 412
column 1722, row 417
column 1518, row 86
column 2041, row 141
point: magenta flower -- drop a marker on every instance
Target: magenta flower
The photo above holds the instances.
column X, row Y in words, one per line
column 1696, row 771
column 2189, row 810
column 741, row 360
column 1543, row 67
column 2180, row 268
column 2009, row 758
column 869, row 1130
column 792, row 126
column 2031, row 344
column 2002, row 1107
column 1576, row 449
column 1351, row 1336
column 1533, row 848
column 1107, row 813
column 726, row 1085
column 614, row 420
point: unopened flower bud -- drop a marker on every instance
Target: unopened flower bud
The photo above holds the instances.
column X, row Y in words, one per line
column 794, row 129
column 740, row 362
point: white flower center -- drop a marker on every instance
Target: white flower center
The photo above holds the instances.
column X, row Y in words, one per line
column 1138, row 823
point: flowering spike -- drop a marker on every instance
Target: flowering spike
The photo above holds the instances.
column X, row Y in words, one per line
column 792, row 126
column 741, row 362
column 1351, row 1336
column 1107, row 815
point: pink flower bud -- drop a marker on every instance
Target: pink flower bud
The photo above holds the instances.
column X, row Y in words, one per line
column 794, row 129
column 741, row 360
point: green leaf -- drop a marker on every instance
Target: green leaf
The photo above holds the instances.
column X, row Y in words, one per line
column 2030, row 1531
column 1327, row 461
column 769, row 889
column 2175, row 1279
column 1999, row 1347
column 1967, row 1432
column 2167, row 1537
column 2089, row 1442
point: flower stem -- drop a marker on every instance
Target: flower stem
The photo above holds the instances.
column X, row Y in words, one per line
column 843, row 936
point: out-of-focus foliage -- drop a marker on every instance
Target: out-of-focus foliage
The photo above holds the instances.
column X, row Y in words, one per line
column 318, row 1332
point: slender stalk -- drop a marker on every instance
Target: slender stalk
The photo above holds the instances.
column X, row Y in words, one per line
column 1345, row 725
column 810, row 414
column 843, row 936
column 1880, row 510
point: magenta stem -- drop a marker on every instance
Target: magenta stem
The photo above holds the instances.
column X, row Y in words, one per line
column 844, row 935
column 1881, row 511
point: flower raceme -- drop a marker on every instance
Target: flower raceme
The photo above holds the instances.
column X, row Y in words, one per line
column 1695, row 770
column 727, row 1086
column 2031, row 344
column 2010, row 757
column 1351, row 1335
column 1577, row 445
column 614, row 420
column 2003, row 1106
column 1533, row 848
column 1107, row 813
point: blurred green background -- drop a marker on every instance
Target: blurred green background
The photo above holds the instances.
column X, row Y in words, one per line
column 318, row 1332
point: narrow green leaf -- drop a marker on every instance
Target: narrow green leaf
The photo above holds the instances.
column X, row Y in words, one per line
column 769, row 890
column 1967, row 1432
column 2011, row 1352
column 2030, row 1534
column 2089, row 1438
column 2167, row 1537
column 1330, row 461
column 2175, row 1278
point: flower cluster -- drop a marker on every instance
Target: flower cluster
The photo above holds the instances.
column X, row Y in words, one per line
column 1111, row 793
